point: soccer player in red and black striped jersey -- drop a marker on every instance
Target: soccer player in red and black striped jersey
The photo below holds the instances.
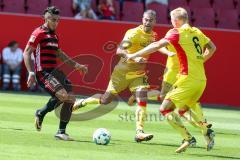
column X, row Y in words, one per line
column 44, row 44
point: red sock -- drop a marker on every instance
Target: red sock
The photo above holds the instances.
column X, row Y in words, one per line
column 165, row 111
column 142, row 103
column 182, row 112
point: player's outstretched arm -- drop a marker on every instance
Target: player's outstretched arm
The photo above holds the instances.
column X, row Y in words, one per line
column 29, row 65
column 64, row 58
column 209, row 51
column 153, row 47
column 166, row 52
column 122, row 48
column 121, row 52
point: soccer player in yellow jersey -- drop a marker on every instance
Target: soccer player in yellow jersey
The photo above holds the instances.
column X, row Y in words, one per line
column 193, row 48
column 131, row 74
column 169, row 78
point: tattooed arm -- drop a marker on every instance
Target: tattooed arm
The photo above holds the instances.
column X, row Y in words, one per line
column 29, row 65
column 66, row 59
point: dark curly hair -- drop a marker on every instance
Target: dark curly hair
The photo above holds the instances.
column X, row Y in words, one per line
column 52, row 10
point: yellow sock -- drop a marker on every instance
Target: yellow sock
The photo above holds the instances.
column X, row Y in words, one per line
column 153, row 95
column 190, row 118
column 198, row 118
column 141, row 113
column 197, row 109
column 175, row 121
column 95, row 99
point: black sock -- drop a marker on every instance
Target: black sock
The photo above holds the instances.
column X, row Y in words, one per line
column 65, row 116
column 62, row 127
column 50, row 106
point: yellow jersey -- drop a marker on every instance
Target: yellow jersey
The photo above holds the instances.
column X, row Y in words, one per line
column 134, row 40
column 189, row 44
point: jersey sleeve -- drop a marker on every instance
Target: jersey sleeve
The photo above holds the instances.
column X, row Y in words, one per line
column 34, row 39
column 172, row 36
column 128, row 39
column 206, row 40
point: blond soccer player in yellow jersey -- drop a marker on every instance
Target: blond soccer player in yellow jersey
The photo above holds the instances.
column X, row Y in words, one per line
column 193, row 48
column 131, row 74
column 169, row 78
column 192, row 114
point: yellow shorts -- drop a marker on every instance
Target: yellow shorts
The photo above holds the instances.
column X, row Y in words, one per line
column 170, row 76
column 186, row 91
column 120, row 81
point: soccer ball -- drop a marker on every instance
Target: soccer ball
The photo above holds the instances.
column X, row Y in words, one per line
column 101, row 136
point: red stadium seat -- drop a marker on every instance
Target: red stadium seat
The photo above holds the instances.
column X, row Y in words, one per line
column 177, row 3
column 161, row 10
column 223, row 4
column 132, row 11
column 65, row 7
column 204, row 17
column 16, row 6
column 36, row 7
column 1, row 5
column 199, row 4
column 117, row 9
column 228, row 19
column 238, row 5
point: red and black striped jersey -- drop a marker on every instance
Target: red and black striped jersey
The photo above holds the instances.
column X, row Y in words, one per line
column 46, row 45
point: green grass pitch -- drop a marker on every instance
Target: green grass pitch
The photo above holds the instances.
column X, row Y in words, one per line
column 20, row 140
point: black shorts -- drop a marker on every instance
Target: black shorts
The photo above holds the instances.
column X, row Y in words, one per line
column 53, row 81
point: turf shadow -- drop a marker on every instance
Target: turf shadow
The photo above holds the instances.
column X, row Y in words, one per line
column 170, row 145
column 9, row 128
column 85, row 141
column 234, row 134
column 82, row 141
column 215, row 156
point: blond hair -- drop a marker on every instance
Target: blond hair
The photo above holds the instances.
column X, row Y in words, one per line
column 179, row 13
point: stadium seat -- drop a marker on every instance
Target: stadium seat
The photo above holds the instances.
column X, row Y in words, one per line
column 204, row 17
column 1, row 5
column 161, row 10
column 36, row 7
column 132, row 11
column 16, row 6
column 238, row 5
column 65, row 7
column 223, row 4
column 177, row 3
column 228, row 19
column 199, row 4
column 235, row 2
column 117, row 9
